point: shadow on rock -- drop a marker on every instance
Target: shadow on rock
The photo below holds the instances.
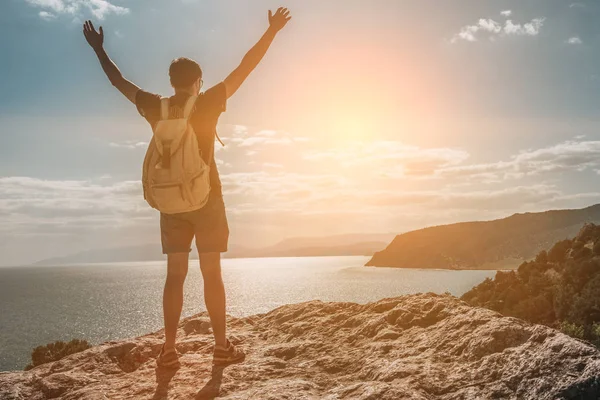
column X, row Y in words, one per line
column 163, row 378
column 213, row 386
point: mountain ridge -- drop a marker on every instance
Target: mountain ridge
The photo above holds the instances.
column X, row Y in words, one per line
column 335, row 245
column 484, row 244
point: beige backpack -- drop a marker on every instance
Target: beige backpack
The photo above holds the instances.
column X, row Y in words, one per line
column 175, row 177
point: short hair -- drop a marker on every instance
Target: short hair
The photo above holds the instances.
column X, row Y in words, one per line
column 184, row 72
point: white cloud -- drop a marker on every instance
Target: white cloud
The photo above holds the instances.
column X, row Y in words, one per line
column 242, row 138
column 490, row 25
column 495, row 29
column 531, row 28
column 47, row 16
column 291, row 189
column 570, row 156
column 574, row 40
column 392, row 158
column 98, row 8
column 273, row 165
column 32, row 202
column 129, row 144
column 506, row 13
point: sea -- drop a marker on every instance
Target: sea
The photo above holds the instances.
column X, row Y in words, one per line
column 104, row 302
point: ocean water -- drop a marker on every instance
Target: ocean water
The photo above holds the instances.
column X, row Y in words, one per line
column 105, row 302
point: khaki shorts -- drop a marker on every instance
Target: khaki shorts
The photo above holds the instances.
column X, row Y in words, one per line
column 208, row 225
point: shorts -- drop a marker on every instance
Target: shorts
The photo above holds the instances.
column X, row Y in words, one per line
column 208, row 225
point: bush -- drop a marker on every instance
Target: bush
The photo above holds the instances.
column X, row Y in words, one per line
column 572, row 330
column 542, row 258
column 55, row 351
column 558, row 252
column 561, row 288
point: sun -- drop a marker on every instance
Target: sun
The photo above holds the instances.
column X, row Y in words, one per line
column 351, row 128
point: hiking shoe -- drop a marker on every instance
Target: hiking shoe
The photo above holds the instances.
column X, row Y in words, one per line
column 227, row 355
column 167, row 360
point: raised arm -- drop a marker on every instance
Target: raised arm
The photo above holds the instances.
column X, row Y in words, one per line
column 96, row 41
column 276, row 23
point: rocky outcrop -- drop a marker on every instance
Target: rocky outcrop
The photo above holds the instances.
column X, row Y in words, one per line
column 499, row 244
column 414, row 347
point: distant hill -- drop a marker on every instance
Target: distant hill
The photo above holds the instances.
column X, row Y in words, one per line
column 499, row 244
column 339, row 245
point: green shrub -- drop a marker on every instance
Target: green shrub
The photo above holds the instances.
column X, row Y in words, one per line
column 55, row 351
column 561, row 288
column 572, row 330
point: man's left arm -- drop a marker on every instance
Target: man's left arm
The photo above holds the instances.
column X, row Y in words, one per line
column 277, row 22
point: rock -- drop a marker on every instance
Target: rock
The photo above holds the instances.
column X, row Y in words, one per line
column 413, row 347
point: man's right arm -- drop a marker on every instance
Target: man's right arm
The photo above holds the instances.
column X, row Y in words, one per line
column 96, row 40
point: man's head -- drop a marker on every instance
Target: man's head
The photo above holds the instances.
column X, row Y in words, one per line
column 186, row 75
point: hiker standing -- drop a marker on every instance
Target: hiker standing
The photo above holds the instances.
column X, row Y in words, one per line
column 181, row 180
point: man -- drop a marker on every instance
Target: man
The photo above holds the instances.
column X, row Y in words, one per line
column 209, row 224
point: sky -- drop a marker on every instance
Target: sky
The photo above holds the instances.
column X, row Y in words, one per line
column 364, row 117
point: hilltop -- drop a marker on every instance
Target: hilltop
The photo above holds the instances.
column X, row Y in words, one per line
column 413, row 347
column 499, row 244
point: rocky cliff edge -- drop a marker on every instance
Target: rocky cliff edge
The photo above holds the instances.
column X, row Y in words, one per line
column 413, row 347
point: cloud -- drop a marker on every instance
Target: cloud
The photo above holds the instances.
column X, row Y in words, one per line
column 261, row 140
column 569, row 156
column 495, row 29
column 98, row 8
column 506, row 13
column 241, row 137
column 391, row 157
column 273, row 165
column 33, row 204
column 129, row 144
column 359, row 186
column 531, row 28
column 47, row 16
column 574, row 40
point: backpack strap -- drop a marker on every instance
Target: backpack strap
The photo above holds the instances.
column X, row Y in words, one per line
column 189, row 106
column 164, row 108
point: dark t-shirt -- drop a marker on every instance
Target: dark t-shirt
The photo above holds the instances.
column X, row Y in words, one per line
column 204, row 118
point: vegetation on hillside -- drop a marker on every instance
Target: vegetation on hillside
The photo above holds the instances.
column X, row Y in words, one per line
column 55, row 351
column 560, row 288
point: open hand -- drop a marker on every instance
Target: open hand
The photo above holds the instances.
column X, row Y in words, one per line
column 94, row 39
column 278, row 20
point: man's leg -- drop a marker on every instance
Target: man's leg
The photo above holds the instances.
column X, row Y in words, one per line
column 177, row 267
column 214, row 294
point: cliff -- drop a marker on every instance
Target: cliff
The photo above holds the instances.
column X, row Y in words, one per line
column 499, row 244
column 414, row 347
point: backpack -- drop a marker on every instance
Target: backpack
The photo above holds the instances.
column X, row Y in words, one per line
column 175, row 177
